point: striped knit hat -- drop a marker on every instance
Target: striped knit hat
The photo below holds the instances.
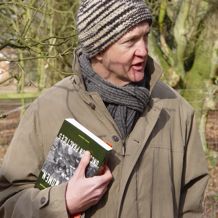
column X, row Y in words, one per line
column 100, row 23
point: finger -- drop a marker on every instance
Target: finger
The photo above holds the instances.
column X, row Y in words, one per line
column 84, row 162
column 103, row 191
column 107, row 174
column 105, row 178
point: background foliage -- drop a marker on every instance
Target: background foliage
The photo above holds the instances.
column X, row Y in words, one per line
column 184, row 33
column 42, row 34
column 184, row 40
column 38, row 38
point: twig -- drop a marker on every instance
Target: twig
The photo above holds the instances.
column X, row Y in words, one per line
column 6, row 114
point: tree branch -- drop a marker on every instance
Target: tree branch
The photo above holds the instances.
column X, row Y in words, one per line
column 163, row 44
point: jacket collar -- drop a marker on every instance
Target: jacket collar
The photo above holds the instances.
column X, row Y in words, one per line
column 152, row 70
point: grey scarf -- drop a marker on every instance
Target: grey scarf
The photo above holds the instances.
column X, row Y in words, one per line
column 125, row 104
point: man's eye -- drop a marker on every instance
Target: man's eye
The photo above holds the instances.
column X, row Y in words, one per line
column 146, row 38
column 146, row 35
column 131, row 41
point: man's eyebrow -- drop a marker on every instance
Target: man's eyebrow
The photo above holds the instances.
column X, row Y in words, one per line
column 133, row 35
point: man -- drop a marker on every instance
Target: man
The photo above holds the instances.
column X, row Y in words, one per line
column 157, row 168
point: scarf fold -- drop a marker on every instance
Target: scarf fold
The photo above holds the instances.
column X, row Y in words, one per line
column 125, row 103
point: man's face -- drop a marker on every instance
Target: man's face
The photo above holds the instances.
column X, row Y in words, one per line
column 124, row 61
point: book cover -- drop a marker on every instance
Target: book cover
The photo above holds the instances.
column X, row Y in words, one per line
column 71, row 142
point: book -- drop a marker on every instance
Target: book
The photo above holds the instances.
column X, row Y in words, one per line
column 72, row 140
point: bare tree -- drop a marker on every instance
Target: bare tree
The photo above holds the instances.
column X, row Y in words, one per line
column 43, row 36
column 184, row 41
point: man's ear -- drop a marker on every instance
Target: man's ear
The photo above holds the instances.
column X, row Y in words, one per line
column 99, row 57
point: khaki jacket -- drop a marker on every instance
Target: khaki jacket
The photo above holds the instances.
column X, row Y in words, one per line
column 159, row 171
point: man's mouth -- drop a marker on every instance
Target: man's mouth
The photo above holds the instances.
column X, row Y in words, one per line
column 138, row 66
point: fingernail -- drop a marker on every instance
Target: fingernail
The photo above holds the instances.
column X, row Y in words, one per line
column 87, row 153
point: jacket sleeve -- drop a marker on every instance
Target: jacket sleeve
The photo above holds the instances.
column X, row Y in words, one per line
column 20, row 168
column 195, row 174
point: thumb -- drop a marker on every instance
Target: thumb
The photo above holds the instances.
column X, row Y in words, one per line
column 84, row 162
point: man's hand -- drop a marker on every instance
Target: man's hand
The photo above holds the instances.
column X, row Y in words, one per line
column 83, row 192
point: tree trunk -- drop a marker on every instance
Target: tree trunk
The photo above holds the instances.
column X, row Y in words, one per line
column 180, row 31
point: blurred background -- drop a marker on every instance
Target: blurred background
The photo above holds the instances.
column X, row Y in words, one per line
column 37, row 43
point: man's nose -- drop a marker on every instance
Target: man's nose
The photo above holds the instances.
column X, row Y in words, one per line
column 142, row 49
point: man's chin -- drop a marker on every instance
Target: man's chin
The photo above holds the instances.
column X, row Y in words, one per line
column 137, row 76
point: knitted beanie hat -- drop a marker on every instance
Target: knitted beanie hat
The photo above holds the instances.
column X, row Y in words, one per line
column 100, row 23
